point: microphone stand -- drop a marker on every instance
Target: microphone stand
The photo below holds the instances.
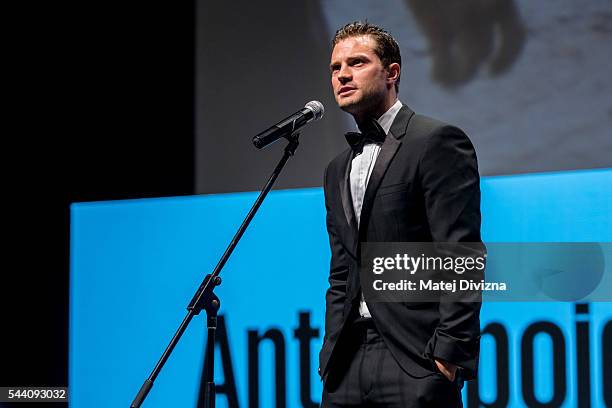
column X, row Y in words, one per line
column 206, row 299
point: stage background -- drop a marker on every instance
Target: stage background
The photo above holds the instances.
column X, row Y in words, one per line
column 526, row 80
column 135, row 265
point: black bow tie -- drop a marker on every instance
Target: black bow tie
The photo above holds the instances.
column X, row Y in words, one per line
column 371, row 132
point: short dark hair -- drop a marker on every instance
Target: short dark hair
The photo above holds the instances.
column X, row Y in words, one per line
column 386, row 48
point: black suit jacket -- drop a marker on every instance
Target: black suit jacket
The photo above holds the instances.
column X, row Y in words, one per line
column 424, row 188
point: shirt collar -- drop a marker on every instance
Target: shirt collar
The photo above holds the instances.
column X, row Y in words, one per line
column 388, row 117
column 385, row 121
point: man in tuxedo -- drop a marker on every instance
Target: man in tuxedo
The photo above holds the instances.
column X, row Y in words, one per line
column 404, row 178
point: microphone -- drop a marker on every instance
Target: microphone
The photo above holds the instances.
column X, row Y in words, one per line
column 312, row 111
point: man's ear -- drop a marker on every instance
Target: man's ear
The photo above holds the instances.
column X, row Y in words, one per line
column 393, row 72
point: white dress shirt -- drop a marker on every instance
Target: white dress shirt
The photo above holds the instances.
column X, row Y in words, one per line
column 361, row 170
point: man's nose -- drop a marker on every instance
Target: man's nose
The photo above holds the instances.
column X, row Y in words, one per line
column 344, row 75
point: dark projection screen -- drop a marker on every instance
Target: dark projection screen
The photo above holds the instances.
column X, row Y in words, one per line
column 528, row 81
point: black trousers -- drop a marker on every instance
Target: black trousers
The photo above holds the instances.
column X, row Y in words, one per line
column 365, row 374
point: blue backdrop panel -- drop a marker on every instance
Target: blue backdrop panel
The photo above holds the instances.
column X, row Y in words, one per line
column 135, row 265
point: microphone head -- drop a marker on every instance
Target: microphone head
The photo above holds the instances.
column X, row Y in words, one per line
column 316, row 108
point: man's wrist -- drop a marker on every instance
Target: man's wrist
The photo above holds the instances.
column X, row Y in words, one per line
column 448, row 369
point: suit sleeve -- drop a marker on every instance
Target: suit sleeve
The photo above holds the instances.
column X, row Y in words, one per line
column 451, row 186
column 338, row 273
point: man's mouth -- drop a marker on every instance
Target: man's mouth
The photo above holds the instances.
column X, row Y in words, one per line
column 345, row 90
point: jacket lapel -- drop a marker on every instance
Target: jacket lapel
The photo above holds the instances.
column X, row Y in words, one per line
column 345, row 192
column 389, row 148
column 387, row 152
column 350, row 226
